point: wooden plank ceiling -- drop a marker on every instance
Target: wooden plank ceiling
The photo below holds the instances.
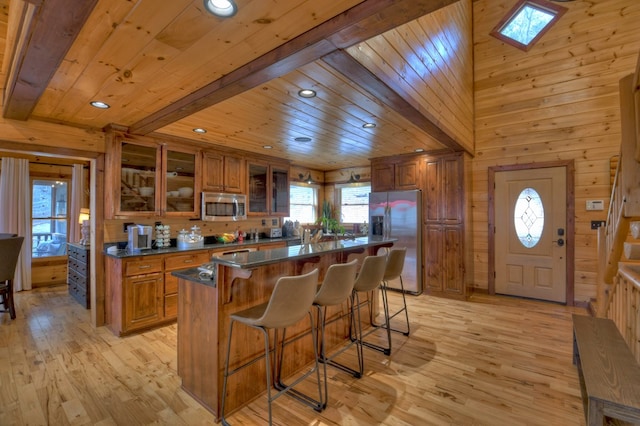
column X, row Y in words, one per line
column 167, row 67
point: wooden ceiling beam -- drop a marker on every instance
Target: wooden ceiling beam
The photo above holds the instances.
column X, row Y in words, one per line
column 345, row 64
column 366, row 20
column 49, row 29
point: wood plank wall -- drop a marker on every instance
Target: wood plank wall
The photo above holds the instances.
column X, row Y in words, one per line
column 441, row 83
column 558, row 101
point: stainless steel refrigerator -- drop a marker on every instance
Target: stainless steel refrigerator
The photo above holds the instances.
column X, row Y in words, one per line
column 397, row 214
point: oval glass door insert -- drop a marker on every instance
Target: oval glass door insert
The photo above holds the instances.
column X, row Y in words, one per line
column 528, row 217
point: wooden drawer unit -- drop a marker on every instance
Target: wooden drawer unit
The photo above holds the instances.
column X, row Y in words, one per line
column 147, row 265
column 135, row 293
column 78, row 272
column 176, row 262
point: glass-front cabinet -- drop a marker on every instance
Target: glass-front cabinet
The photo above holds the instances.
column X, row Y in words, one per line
column 268, row 189
column 139, row 165
column 180, row 197
column 151, row 179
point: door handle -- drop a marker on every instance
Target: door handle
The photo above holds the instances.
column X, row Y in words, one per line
column 560, row 242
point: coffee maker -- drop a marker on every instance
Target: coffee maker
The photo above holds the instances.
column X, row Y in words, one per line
column 140, row 237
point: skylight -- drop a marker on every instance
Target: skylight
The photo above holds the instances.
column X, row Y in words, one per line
column 527, row 22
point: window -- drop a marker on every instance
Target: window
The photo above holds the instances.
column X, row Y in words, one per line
column 49, row 222
column 354, row 202
column 303, row 203
column 527, row 22
column 528, row 217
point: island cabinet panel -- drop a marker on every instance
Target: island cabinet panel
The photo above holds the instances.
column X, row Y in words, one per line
column 203, row 325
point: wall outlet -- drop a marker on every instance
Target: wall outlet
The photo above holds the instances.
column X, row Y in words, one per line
column 595, row 224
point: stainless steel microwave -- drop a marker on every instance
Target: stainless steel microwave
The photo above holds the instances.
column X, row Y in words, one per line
column 221, row 206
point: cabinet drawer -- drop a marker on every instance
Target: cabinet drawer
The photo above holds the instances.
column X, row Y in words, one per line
column 170, row 284
column 80, row 268
column 143, row 266
column 187, row 260
column 75, row 253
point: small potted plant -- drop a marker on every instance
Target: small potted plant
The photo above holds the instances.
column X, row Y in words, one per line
column 329, row 224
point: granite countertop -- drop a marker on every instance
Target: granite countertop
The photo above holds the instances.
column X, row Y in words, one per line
column 253, row 259
column 123, row 253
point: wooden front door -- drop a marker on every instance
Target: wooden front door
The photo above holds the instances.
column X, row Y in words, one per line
column 531, row 233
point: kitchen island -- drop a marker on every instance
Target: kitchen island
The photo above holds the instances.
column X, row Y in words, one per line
column 240, row 281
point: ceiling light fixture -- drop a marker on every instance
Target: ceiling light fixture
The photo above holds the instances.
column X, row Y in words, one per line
column 307, row 93
column 267, row 146
column 99, row 104
column 302, row 139
column 221, row 8
column 306, row 178
column 199, row 130
column 354, row 178
column 369, row 125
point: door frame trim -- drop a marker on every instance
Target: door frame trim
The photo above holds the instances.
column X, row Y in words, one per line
column 570, row 221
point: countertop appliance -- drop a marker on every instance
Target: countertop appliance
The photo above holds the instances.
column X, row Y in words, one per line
column 275, row 233
column 397, row 214
column 140, row 237
column 225, row 207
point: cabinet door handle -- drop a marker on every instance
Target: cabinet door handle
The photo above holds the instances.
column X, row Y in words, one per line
column 188, row 261
column 144, row 266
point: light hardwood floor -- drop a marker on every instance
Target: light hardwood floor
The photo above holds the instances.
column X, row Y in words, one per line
column 488, row 361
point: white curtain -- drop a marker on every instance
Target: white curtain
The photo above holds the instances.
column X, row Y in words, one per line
column 76, row 203
column 15, row 215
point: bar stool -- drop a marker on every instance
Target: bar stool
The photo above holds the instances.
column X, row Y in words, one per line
column 336, row 288
column 392, row 269
column 290, row 301
column 368, row 280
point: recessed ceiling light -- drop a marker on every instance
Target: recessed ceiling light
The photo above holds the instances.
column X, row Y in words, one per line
column 418, row 150
column 221, row 8
column 302, row 139
column 307, row 93
column 267, row 146
column 99, row 104
column 199, row 130
column 369, row 125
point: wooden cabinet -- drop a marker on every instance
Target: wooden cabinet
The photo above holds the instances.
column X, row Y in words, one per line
column 223, row 173
column 443, row 231
column 143, row 301
column 173, row 263
column 78, row 271
column 268, row 186
column 395, row 174
column 142, row 293
column 180, row 195
column 146, row 178
column 443, row 187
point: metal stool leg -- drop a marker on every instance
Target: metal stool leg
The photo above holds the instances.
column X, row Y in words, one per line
column 289, row 388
